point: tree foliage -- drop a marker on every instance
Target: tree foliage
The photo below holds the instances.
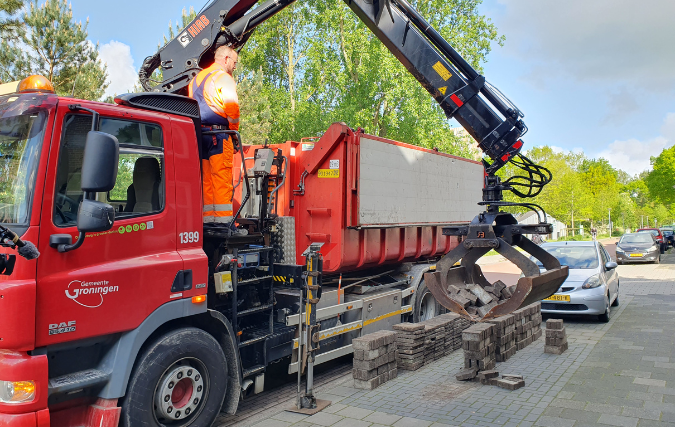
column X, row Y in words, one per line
column 9, row 24
column 51, row 43
column 661, row 181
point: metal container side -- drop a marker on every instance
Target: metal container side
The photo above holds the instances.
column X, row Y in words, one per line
column 331, row 208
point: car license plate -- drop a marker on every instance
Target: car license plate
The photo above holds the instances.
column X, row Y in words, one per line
column 558, row 298
column 636, row 255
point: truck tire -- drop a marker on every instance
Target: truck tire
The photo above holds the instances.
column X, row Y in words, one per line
column 179, row 380
column 426, row 306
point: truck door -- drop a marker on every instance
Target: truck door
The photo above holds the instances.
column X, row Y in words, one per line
column 118, row 277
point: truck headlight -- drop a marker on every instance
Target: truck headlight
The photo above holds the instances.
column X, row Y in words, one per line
column 619, row 250
column 592, row 282
column 17, row 391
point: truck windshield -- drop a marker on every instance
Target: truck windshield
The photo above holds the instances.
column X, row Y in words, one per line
column 22, row 123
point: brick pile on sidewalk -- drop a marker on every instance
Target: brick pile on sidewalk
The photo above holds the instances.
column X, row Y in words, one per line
column 434, row 340
column 479, row 300
column 479, row 350
column 453, row 334
column 505, row 337
column 374, row 359
column 556, row 338
column 528, row 325
column 410, row 344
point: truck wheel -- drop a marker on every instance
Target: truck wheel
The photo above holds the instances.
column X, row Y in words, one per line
column 426, row 306
column 179, row 380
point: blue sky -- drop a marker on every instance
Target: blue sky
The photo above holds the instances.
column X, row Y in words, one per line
column 593, row 76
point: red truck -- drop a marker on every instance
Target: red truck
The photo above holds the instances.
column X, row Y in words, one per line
column 135, row 309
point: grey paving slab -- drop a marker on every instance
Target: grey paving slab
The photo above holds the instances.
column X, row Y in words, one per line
column 382, row 418
column 618, row 421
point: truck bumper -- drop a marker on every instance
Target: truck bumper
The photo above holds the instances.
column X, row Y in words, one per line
column 19, row 366
column 32, row 419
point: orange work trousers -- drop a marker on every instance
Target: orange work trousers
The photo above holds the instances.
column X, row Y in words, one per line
column 217, row 152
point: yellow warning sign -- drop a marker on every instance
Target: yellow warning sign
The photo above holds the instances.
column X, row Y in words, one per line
column 442, row 71
column 443, row 89
column 329, row 173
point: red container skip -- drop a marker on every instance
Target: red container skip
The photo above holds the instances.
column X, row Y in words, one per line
column 372, row 201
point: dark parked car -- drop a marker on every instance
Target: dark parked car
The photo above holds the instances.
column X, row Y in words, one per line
column 668, row 236
column 638, row 247
column 657, row 236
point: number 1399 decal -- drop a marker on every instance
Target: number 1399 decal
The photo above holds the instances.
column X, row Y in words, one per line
column 189, row 237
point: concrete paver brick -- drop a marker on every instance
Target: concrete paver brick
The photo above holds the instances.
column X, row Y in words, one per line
column 411, row 422
column 324, row 419
column 350, row 422
column 354, row 412
column 649, row 382
column 291, row 417
column 546, row 421
column 650, row 414
column 618, row 420
column 637, row 374
column 272, row 423
column 382, row 418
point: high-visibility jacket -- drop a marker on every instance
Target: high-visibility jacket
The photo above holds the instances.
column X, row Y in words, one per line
column 216, row 92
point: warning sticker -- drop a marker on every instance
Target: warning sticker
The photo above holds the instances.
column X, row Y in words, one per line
column 334, row 164
column 307, row 146
column 329, row 173
column 443, row 89
column 442, row 71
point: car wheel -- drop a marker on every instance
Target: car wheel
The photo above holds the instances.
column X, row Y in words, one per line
column 658, row 260
column 179, row 380
column 604, row 318
column 426, row 306
column 619, row 262
column 663, row 250
column 616, row 300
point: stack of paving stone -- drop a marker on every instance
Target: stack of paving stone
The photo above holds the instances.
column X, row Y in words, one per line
column 434, row 340
column 374, row 359
column 460, row 326
column 410, row 345
column 453, row 335
column 528, row 325
column 509, row 382
column 479, row 350
column 505, row 337
column 556, row 338
column 479, row 300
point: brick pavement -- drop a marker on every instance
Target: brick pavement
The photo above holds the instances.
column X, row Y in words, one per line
column 620, row 374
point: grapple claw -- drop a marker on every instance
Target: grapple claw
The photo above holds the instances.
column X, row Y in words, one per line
column 481, row 236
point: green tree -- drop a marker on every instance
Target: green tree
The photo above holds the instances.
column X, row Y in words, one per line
column 661, row 180
column 51, row 43
column 8, row 24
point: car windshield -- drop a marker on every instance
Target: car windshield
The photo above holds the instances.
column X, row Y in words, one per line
column 636, row 238
column 667, row 232
column 579, row 257
column 22, row 123
column 653, row 232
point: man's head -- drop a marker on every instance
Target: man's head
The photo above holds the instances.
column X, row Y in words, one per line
column 227, row 58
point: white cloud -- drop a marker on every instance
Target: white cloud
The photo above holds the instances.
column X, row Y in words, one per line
column 599, row 41
column 122, row 74
column 633, row 155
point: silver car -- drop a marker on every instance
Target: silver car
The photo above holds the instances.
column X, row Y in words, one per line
column 593, row 284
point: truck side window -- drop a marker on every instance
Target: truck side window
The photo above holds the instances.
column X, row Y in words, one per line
column 139, row 189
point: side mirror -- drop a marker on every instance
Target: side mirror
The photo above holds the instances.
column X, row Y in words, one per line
column 611, row 265
column 99, row 165
column 95, row 216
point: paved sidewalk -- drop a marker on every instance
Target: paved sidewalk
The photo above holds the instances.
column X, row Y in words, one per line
column 619, row 374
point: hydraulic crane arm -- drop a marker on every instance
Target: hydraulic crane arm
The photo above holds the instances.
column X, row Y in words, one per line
column 492, row 119
column 463, row 94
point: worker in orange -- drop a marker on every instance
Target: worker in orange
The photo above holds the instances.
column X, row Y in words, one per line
column 215, row 90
